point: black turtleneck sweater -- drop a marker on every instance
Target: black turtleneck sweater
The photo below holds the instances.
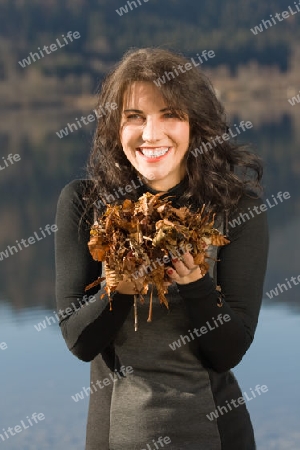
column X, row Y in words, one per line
column 134, row 411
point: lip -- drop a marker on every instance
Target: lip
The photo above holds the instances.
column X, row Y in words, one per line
column 151, row 159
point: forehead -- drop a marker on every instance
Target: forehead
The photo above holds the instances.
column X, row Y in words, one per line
column 143, row 95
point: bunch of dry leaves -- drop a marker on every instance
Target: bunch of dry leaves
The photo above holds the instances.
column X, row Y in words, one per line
column 133, row 235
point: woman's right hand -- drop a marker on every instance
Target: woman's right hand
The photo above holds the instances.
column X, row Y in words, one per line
column 128, row 287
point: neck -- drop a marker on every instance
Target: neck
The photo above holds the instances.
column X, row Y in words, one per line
column 160, row 185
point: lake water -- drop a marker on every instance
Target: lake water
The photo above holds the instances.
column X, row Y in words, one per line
column 38, row 373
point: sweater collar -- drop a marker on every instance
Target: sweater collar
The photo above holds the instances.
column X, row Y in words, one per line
column 175, row 192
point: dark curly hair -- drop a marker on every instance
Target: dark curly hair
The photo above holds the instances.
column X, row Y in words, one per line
column 218, row 177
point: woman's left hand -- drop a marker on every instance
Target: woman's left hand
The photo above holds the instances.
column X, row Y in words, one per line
column 186, row 271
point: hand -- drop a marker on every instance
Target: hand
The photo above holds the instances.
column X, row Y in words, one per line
column 128, row 287
column 185, row 271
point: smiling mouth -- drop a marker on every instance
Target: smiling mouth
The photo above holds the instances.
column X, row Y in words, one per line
column 154, row 152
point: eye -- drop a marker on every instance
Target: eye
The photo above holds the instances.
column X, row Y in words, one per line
column 135, row 118
column 171, row 115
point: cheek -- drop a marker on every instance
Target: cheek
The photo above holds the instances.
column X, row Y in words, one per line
column 128, row 143
column 128, row 137
column 123, row 137
column 185, row 132
column 181, row 133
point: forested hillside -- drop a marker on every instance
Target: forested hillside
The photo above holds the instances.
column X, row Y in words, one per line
column 185, row 25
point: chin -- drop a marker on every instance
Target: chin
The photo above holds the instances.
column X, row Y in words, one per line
column 154, row 178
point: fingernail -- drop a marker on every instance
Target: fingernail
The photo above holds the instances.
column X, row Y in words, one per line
column 170, row 271
column 175, row 260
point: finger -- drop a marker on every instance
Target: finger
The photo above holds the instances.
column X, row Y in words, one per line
column 180, row 267
column 189, row 261
column 172, row 274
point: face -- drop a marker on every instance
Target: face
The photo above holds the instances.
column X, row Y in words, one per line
column 153, row 138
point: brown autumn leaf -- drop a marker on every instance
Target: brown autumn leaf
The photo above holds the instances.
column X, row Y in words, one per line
column 132, row 237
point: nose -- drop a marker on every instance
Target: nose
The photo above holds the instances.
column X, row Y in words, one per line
column 152, row 130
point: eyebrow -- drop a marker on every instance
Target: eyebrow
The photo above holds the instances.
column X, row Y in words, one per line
column 141, row 112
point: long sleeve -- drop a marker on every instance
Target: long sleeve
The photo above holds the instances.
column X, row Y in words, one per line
column 241, row 270
column 88, row 327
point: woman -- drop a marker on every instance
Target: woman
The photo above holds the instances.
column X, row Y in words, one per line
column 156, row 387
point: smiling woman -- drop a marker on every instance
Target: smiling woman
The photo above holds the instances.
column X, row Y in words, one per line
column 191, row 106
column 151, row 136
column 154, row 138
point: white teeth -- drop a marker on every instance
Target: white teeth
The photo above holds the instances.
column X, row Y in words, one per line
column 154, row 153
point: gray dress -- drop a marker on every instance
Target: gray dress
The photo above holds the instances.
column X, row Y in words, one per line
column 171, row 392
